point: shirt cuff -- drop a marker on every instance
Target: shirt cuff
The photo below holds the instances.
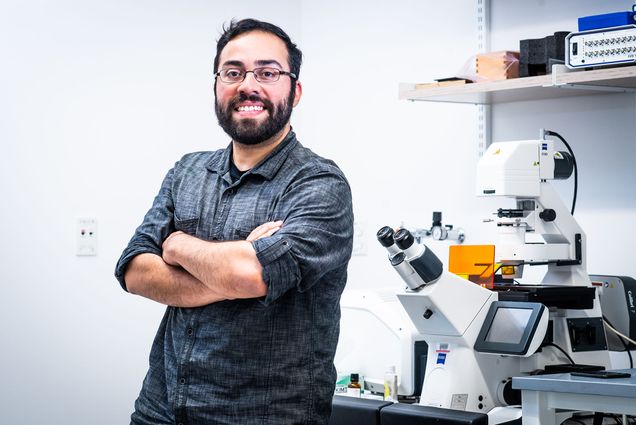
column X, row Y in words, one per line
column 126, row 257
column 280, row 267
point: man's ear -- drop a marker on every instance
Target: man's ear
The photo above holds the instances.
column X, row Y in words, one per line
column 298, row 94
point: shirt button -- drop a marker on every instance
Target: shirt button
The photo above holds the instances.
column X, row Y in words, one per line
column 182, row 381
column 190, row 332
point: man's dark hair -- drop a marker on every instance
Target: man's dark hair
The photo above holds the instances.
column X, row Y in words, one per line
column 294, row 55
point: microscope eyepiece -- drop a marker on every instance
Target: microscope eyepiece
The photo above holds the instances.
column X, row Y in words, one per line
column 398, row 259
column 403, row 239
column 385, row 236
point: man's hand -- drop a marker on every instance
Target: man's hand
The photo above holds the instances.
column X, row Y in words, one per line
column 265, row 230
column 170, row 246
column 174, row 239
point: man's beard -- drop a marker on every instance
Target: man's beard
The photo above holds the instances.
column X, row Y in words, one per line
column 248, row 131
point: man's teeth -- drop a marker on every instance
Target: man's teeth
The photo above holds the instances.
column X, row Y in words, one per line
column 250, row 108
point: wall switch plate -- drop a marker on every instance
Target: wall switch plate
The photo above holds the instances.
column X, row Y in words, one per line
column 86, row 236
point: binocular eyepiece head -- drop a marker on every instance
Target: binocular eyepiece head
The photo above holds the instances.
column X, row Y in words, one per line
column 385, row 236
column 402, row 238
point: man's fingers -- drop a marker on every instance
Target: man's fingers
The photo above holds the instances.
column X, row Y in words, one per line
column 264, row 230
column 271, row 231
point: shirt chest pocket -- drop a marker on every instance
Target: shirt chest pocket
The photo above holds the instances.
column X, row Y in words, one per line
column 241, row 234
column 186, row 219
column 245, row 216
column 189, row 226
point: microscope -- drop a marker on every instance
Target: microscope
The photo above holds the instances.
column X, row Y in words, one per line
column 541, row 231
column 465, row 327
column 479, row 338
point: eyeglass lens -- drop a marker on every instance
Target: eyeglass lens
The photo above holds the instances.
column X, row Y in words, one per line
column 263, row 74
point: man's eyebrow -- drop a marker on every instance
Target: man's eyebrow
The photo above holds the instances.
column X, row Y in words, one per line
column 238, row 64
column 267, row 62
column 260, row 62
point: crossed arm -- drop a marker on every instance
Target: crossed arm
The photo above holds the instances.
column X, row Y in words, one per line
column 192, row 272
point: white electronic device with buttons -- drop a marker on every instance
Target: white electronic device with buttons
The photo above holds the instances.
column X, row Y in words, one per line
column 601, row 47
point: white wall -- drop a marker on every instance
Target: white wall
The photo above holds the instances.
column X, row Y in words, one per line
column 98, row 99
column 392, row 151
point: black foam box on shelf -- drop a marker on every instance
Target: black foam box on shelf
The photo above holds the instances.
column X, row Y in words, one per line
column 410, row 414
column 359, row 411
column 537, row 55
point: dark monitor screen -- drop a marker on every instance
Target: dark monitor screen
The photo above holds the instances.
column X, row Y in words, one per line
column 509, row 327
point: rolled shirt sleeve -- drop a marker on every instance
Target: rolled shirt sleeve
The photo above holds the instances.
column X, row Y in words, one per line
column 316, row 237
column 155, row 228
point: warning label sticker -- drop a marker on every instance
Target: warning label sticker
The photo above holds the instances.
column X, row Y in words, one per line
column 459, row 401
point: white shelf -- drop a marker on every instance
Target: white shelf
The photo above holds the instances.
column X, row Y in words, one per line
column 557, row 85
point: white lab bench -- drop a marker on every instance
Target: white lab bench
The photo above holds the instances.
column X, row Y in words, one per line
column 543, row 396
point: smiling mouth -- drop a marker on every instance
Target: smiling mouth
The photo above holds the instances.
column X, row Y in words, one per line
column 249, row 108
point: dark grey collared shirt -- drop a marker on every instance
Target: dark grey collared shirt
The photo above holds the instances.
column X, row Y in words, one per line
column 252, row 361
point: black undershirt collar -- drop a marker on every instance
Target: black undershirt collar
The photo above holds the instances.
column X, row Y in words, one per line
column 235, row 173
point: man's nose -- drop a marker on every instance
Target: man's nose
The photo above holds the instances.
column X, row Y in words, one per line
column 249, row 83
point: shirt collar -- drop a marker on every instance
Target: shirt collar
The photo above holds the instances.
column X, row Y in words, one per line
column 267, row 167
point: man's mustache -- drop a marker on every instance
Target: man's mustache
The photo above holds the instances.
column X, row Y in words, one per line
column 242, row 97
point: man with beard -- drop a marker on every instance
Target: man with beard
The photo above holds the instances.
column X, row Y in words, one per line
column 248, row 247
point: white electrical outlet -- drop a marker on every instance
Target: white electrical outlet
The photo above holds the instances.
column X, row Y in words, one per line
column 86, row 235
column 359, row 238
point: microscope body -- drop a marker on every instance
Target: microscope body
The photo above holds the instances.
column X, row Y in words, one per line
column 449, row 312
column 457, row 376
column 541, row 231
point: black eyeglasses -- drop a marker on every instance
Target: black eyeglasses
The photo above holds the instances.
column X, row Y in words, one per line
column 262, row 74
